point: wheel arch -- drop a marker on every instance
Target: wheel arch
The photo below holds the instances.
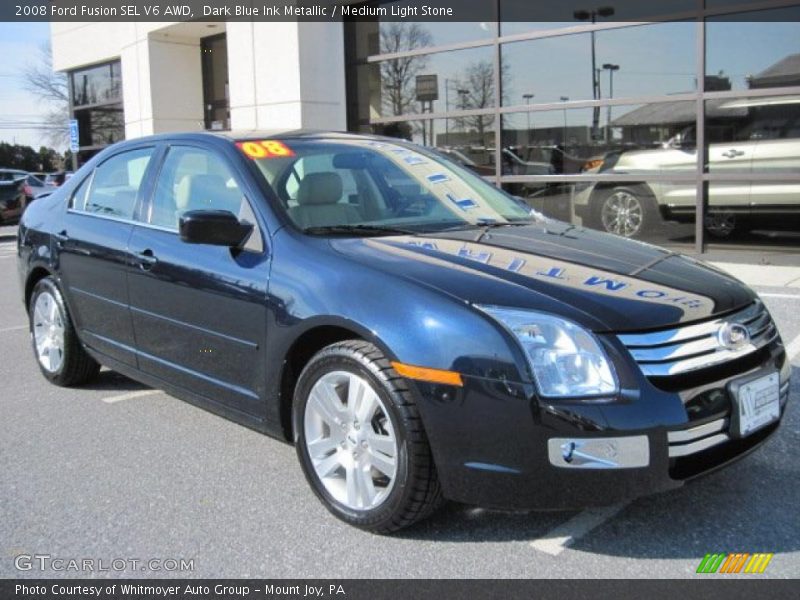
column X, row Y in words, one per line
column 315, row 336
column 603, row 187
column 35, row 275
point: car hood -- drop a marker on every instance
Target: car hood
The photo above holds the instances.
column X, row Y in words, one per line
column 602, row 281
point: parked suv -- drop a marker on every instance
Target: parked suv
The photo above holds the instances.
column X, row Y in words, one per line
column 746, row 137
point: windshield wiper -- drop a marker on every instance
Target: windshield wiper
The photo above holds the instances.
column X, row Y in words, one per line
column 486, row 226
column 365, row 229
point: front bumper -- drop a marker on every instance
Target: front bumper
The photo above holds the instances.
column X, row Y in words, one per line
column 497, row 445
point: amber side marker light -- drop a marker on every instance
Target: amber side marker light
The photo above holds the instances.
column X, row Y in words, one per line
column 425, row 374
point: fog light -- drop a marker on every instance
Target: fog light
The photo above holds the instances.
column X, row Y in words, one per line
column 599, row 453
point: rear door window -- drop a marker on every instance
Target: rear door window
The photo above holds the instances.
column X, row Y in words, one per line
column 115, row 185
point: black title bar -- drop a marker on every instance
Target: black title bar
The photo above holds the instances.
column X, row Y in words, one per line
column 565, row 11
column 708, row 588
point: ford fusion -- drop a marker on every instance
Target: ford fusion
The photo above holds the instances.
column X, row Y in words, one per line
column 417, row 333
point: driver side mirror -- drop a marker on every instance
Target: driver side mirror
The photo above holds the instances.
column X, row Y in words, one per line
column 214, row 227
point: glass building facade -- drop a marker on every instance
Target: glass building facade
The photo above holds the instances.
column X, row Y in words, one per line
column 679, row 128
column 96, row 102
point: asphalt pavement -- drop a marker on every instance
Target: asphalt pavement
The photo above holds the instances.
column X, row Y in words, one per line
column 117, row 471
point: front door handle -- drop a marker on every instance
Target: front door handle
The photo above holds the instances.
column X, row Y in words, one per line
column 732, row 153
column 61, row 238
column 146, row 260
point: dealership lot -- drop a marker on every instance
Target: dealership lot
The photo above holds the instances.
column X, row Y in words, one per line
column 115, row 470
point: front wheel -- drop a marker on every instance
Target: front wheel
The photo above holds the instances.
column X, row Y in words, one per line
column 58, row 350
column 627, row 212
column 360, row 439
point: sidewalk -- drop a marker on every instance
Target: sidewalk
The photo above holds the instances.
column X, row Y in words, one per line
column 763, row 275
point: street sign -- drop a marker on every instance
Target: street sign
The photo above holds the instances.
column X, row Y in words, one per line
column 427, row 88
column 74, row 143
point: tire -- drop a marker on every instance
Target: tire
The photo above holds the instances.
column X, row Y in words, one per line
column 722, row 225
column 625, row 211
column 56, row 347
column 330, row 443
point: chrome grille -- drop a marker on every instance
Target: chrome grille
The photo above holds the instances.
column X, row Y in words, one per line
column 693, row 347
column 690, row 441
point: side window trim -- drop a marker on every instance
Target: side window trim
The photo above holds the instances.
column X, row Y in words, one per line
column 79, row 188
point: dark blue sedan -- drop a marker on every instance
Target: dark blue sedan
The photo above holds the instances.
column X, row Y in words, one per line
column 416, row 332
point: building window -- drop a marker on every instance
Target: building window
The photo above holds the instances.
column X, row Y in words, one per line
column 216, row 101
column 96, row 100
column 613, row 116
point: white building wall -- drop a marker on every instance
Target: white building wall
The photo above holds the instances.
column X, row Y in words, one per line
column 286, row 76
column 281, row 75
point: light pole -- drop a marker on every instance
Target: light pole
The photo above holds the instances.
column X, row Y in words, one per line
column 528, row 98
column 610, row 68
column 591, row 15
column 564, row 137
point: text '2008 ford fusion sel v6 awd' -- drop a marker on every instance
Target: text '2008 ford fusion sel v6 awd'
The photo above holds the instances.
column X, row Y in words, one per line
column 416, row 332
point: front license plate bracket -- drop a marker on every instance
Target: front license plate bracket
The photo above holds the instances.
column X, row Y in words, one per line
column 755, row 402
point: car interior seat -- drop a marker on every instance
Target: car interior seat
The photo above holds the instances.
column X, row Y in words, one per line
column 318, row 199
column 205, row 192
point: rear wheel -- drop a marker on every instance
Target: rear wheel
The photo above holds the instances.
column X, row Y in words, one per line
column 58, row 350
column 625, row 211
column 360, row 440
column 721, row 224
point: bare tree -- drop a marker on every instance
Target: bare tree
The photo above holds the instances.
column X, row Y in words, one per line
column 52, row 91
column 478, row 82
column 399, row 75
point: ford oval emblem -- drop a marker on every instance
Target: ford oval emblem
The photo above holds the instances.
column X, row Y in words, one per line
column 733, row 336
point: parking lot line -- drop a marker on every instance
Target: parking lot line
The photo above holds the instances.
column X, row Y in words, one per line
column 17, row 328
column 771, row 295
column 130, row 396
column 556, row 541
column 793, row 348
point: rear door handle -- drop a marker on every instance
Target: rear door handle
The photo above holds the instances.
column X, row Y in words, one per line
column 146, row 259
column 733, row 153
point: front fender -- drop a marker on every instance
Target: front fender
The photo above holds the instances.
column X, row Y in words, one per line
column 311, row 285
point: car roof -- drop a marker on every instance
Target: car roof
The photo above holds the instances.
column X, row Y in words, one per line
column 257, row 134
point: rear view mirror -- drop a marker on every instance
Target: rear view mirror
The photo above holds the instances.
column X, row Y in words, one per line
column 351, row 160
column 214, row 227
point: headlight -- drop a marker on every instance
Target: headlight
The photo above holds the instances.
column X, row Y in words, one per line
column 566, row 359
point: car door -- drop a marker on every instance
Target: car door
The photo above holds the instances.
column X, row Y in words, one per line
column 199, row 311
column 732, row 156
column 777, row 154
column 93, row 251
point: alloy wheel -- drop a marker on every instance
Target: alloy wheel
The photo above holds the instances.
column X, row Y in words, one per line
column 350, row 440
column 48, row 332
column 622, row 214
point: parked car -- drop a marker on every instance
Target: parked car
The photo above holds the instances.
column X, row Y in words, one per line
column 13, row 199
column 459, row 157
column 32, row 186
column 756, row 136
column 415, row 331
column 58, row 178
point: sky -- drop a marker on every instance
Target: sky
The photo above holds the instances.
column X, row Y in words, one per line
column 19, row 47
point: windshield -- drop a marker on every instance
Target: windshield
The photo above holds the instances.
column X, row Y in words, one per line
column 369, row 185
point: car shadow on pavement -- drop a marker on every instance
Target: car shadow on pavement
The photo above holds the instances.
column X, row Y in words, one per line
column 749, row 506
column 112, row 381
